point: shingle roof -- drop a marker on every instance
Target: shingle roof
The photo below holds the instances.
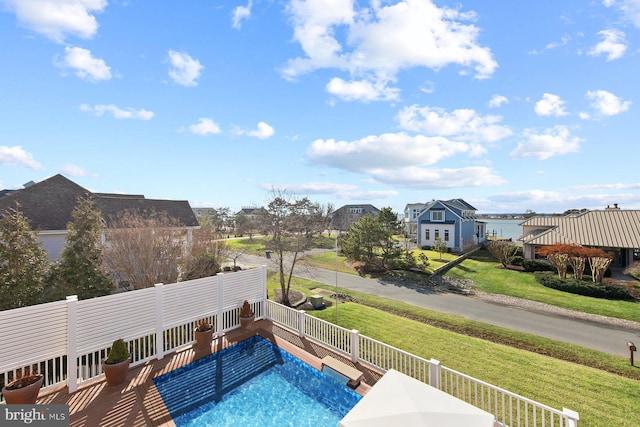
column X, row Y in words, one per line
column 615, row 228
column 49, row 203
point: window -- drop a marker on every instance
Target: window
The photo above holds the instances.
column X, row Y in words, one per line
column 437, row 216
column 437, row 234
column 446, row 235
column 355, row 210
column 415, row 213
column 427, row 234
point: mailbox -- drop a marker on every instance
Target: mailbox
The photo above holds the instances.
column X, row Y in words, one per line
column 632, row 348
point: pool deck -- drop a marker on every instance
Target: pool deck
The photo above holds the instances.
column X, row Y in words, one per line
column 138, row 403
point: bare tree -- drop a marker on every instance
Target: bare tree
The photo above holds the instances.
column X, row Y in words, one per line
column 440, row 247
column 144, row 249
column 291, row 224
column 503, row 250
column 599, row 261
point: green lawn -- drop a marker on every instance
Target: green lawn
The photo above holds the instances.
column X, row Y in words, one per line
column 601, row 398
column 489, row 276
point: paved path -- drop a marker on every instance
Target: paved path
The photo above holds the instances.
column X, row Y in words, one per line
column 606, row 338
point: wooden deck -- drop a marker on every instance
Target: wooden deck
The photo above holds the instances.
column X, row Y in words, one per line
column 138, row 403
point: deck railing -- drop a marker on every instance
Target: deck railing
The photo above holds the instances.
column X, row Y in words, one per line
column 510, row 409
column 67, row 341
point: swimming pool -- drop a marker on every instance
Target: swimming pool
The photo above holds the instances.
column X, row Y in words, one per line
column 253, row 383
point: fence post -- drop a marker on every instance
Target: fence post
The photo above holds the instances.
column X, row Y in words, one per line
column 434, row 374
column 72, row 341
column 301, row 315
column 572, row 417
column 265, row 296
column 159, row 321
column 220, row 313
column 355, row 347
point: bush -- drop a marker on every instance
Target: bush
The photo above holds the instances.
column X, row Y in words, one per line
column 204, row 264
column 536, row 265
column 516, row 260
column 582, row 287
column 119, row 352
column 634, row 270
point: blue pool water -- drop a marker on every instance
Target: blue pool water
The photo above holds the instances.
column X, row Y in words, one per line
column 253, row 383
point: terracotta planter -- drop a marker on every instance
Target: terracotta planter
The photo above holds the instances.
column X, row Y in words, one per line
column 246, row 323
column 116, row 373
column 204, row 339
column 27, row 394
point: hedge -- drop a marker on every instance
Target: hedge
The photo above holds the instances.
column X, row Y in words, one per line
column 582, row 287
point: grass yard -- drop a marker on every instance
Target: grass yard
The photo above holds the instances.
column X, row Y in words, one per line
column 601, row 398
column 488, row 276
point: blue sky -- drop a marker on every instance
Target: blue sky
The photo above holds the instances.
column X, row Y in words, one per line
column 512, row 106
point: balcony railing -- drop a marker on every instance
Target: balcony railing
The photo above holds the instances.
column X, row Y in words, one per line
column 67, row 341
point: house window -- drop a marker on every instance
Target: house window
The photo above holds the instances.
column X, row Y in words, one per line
column 437, row 216
column 427, row 234
column 355, row 210
column 437, row 234
column 446, row 235
column 415, row 213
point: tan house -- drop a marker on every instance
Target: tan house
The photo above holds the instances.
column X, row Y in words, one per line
column 614, row 230
column 48, row 205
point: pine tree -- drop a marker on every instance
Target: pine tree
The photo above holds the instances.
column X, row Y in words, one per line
column 23, row 262
column 81, row 270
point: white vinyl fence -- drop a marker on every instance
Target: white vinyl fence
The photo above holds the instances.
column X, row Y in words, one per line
column 67, row 341
column 509, row 408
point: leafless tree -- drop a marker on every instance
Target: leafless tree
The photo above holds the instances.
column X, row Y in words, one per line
column 144, row 248
column 503, row 250
column 291, row 224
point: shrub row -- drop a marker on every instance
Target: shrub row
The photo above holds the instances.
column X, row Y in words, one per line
column 581, row 287
column 531, row 265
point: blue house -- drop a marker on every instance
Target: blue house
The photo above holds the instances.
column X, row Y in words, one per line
column 453, row 222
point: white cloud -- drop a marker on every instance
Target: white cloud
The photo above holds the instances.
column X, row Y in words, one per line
column 379, row 41
column 464, row 124
column 419, row 177
column 362, row 90
column 205, row 126
column 117, row 112
column 497, row 100
column 240, row 13
column 553, row 45
column 607, row 103
column 263, row 131
column 74, row 170
column 550, row 105
column 57, row 18
column 184, row 69
column 85, row 65
column 629, row 8
column 613, row 46
column 12, row 156
column 552, row 142
column 386, row 151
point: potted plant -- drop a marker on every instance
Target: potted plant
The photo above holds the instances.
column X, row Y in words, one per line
column 24, row 389
column 116, row 365
column 204, row 335
column 247, row 316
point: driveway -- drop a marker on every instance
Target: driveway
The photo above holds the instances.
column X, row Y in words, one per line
column 595, row 335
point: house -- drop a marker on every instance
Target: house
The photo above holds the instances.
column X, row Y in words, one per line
column 410, row 220
column 48, row 206
column 614, row 230
column 343, row 217
column 453, row 222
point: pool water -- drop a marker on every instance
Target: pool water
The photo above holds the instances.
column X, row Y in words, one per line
column 253, row 383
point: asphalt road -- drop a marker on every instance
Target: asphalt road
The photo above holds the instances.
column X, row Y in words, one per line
column 598, row 336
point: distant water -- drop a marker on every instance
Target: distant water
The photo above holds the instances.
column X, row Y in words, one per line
column 504, row 228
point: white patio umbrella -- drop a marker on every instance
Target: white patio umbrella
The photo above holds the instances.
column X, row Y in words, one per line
column 397, row 399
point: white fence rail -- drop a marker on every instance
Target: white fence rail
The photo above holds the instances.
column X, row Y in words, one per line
column 67, row 341
column 509, row 408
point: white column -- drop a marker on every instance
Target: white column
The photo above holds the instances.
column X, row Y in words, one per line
column 263, row 279
column 434, row 374
column 159, row 321
column 220, row 313
column 572, row 417
column 355, row 346
column 301, row 315
column 72, row 340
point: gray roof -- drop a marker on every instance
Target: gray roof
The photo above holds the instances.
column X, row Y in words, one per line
column 49, row 203
column 613, row 228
